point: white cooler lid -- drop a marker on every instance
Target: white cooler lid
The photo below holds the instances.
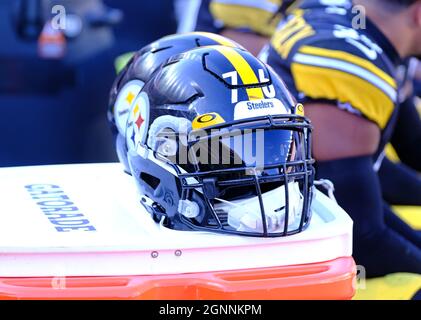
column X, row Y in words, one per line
column 125, row 240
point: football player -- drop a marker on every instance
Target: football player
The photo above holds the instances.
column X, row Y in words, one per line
column 348, row 72
column 249, row 22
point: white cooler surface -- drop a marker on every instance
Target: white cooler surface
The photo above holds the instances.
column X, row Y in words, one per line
column 111, row 234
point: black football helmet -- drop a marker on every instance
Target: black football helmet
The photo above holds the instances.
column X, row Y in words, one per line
column 217, row 143
column 139, row 69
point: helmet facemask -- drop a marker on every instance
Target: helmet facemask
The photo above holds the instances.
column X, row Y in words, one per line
column 251, row 177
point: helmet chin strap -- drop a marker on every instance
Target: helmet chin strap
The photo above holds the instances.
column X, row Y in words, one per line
column 328, row 186
column 245, row 215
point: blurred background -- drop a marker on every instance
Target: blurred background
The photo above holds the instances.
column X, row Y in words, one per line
column 54, row 85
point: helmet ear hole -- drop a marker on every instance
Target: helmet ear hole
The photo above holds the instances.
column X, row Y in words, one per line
column 152, row 181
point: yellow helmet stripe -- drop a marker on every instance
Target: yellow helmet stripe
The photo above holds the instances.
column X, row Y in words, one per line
column 245, row 71
column 217, row 38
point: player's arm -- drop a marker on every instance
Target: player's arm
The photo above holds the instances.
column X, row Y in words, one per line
column 355, row 137
column 339, row 134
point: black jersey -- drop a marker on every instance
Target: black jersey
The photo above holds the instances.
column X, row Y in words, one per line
column 324, row 54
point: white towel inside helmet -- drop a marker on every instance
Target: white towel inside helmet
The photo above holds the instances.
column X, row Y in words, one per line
column 245, row 215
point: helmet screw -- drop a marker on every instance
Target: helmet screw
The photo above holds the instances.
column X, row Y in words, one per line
column 178, row 253
column 167, row 149
column 154, row 254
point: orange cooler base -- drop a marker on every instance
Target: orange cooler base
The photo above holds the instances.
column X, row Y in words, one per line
column 328, row 280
